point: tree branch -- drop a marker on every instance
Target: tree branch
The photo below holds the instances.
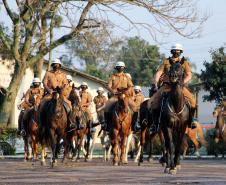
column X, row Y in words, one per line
column 4, row 40
column 64, row 38
column 13, row 16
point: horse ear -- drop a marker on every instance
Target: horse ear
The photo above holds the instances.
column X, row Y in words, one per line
column 73, row 86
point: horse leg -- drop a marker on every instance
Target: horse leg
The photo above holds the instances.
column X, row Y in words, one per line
column 26, row 151
column 115, row 141
column 150, row 157
column 88, row 146
column 171, row 152
column 123, row 145
column 162, row 160
column 142, row 142
column 53, row 148
column 128, row 142
column 43, row 155
column 167, row 145
column 177, row 152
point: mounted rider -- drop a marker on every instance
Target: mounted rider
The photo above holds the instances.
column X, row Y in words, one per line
column 100, row 101
column 35, row 89
column 86, row 100
column 138, row 98
column 162, row 73
column 117, row 81
column 56, row 78
column 68, row 86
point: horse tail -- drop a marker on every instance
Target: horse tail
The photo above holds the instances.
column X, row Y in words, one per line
column 200, row 134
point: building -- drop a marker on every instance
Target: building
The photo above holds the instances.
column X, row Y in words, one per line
column 78, row 77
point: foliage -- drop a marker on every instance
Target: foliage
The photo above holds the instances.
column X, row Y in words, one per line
column 141, row 59
column 213, row 77
column 212, row 147
column 8, row 140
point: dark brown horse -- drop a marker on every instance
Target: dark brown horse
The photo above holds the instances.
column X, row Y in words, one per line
column 220, row 130
column 121, row 123
column 146, row 120
column 175, row 117
column 53, row 124
column 75, row 137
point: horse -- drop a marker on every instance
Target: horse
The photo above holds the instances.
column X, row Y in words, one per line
column 75, row 137
column 121, row 124
column 30, row 122
column 147, row 119
column 192, row 134
column 175, row 117
column 220, row 130
column 53, row 124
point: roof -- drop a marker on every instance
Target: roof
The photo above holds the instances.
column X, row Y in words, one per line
column 75, row 72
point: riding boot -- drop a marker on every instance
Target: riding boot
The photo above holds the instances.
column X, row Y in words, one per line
column 194, row 121
column 107, row 121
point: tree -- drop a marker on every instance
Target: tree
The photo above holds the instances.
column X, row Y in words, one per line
column 30, row 18
column 141, row 59
column 97, row 49
column 214, row 76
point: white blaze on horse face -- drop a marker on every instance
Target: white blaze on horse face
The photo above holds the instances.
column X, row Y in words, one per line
column 123, row 95
column 57, row 95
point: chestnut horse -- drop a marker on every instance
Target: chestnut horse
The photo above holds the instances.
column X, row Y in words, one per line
column 75, row 137
column 192, row 134
column 121, row 123
column 220, row 130
column 175, row 117
column 53, row 124
column 30, row 122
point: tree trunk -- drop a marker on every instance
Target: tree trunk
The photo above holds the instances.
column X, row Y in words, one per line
column 7, row 104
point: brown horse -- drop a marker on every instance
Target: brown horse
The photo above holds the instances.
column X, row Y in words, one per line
column 75, row 137
column 220, row 130
column 192, row 134
column 30, row 122
column 53, row 124
column 121, row 119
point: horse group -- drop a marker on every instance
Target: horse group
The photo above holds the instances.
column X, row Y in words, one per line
column 49, row 125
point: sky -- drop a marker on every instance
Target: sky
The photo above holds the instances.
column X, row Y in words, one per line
column 197, row 50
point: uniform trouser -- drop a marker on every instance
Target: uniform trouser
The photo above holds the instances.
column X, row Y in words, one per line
column 156, row 98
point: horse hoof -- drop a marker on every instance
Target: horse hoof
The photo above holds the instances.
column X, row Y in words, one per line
column 139, row 163
column 167, row 170
column 173, row 171
column 163, row 164
column 25, row 160
column 53, row 164
column 125, row 162
column 115, row 164
column 150, row 159
column 43, row 163
column 178, row 167
column 77, row 160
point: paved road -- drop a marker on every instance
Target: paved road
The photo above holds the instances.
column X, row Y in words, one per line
column 99, row 173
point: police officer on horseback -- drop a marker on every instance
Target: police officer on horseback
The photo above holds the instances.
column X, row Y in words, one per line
column 117, row 81
column 162, row 78
column 37, row 90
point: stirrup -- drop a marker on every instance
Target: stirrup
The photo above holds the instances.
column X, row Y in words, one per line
column 152, row 129
column 23, row 132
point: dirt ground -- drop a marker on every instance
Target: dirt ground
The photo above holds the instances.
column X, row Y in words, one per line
column 97, row 172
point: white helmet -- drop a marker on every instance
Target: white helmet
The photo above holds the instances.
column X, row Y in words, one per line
column 56, row 61
column 69, row 77
column 36, row 80
column 137, row 87
column 177, row 46
column 120, row 64
column 129, row 75
column 100, row 89
column 84, row 84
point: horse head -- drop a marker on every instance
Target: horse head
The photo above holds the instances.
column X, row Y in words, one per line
column 216, row 111
column 123, row 98
column 35, row 100
column 175, row 73
column 74, row 96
